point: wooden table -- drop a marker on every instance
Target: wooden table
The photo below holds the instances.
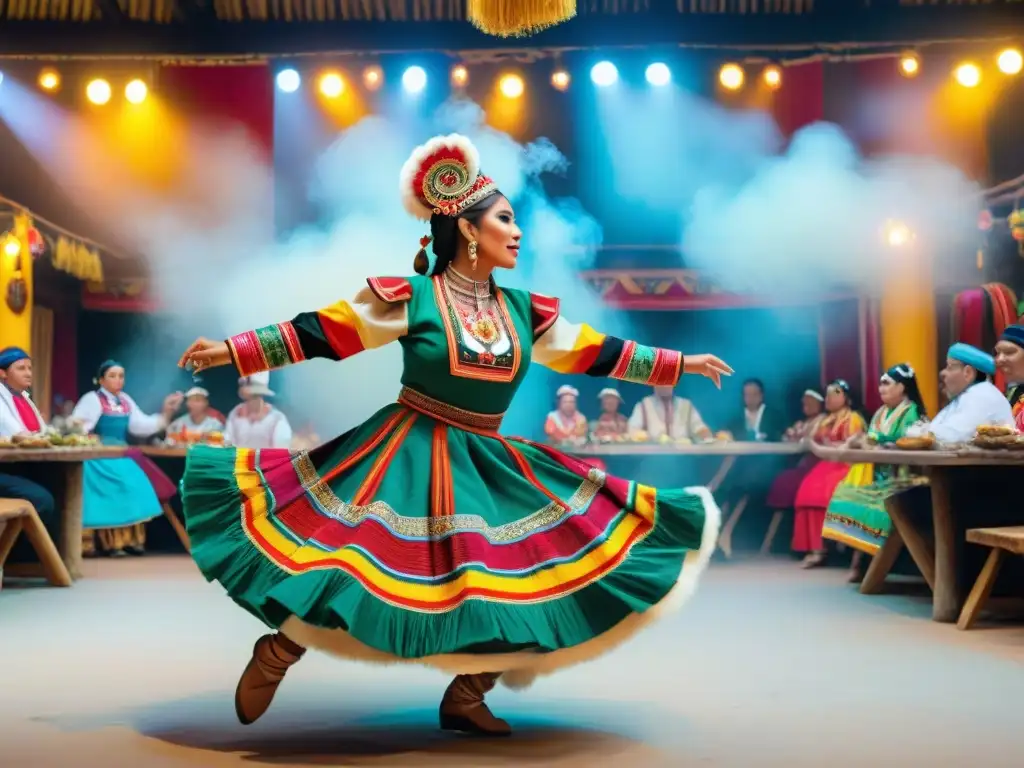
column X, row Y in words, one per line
column 730, row 450
column 165, row 451
column 69, row 463
column 939, row 561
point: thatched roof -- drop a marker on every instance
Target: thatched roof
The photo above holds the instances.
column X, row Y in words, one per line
column 281, row 27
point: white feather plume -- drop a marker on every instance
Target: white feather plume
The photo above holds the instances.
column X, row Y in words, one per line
column 410, row 197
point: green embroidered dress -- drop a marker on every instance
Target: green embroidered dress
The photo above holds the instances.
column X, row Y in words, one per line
column 424, row 535
column 856, row 514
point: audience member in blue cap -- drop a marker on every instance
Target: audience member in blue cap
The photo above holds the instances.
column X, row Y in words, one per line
column 974, row 401
column 1010, row 361
column 19, row 415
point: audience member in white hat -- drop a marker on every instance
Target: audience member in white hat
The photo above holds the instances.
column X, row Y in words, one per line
column 612, row 424
column 566, row 424
column 663, row 416
column 255, row 423
column 198, row 421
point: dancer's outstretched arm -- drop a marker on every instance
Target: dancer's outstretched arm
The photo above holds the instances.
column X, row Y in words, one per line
column 376, row 316
column 570, row 348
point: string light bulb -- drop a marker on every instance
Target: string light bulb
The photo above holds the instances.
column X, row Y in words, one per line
column 897, row 234
column 910, row 65
column 731, row 77
column 511, row 86
column 136, row 91
column 331, row 85
column 98, row 91
column 772, row 77
column 373, row 77
column 460, row 76
column 1010, row 61
column 12, row 246
column 968, row 74
column 49, row 79
column 560, row 80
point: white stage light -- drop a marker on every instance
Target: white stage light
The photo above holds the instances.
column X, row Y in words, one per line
column 658, row 74
column 604, row 74
column 414, row 79
column 288, row 80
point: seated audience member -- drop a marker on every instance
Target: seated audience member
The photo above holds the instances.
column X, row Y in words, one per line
column 566, row 424
column 760, row 423
column 19, row 416
column 255, row 423
column 856, row 514
column 783, row 491
column 198, row 421
column 62, row 421
column 973, row 400
column 815, row 492
column 663, row 416
column 1010, row 360
column 612, row 424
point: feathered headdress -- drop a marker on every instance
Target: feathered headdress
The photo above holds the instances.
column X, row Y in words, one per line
column 443, row 177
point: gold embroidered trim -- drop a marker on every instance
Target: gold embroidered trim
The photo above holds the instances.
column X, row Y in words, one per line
column 433, row 527
column 458, row 417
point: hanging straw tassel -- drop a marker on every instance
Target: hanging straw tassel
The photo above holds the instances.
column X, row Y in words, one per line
column 518, row 18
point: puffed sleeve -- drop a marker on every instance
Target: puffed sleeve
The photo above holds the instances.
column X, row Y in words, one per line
column 567, row 347
column 377, row 315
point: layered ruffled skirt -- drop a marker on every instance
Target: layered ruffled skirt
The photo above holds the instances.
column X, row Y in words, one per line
column 418, row 537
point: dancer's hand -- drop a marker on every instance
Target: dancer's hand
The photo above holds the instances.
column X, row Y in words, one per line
column 173, row 402
column 205, row 354
column 707, row 365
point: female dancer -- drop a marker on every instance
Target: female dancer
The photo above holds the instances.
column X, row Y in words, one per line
column 121, row 494
column 856, row 514
column 424, row 535
column 817, row 488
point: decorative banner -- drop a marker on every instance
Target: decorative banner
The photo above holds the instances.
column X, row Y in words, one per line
column 670, row 290
column 119, row 296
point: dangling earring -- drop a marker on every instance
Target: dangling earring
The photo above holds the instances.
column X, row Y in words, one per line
column 472, row 255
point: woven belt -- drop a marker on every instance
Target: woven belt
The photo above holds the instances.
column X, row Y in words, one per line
column 457, row 417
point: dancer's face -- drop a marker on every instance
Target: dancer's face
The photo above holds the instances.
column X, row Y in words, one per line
column 496, row 234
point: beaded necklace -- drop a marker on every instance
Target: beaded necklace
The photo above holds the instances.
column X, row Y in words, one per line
column 476, row 307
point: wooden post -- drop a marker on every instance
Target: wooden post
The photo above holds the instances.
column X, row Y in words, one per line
column 946, row 603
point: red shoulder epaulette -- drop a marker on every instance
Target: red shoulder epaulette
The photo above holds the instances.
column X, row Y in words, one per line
column 390, row 290
column 544, row 311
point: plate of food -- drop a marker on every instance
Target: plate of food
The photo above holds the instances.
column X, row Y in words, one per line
column 919, row 443
column 995, row 437
column 6, row 442
column 31, row 441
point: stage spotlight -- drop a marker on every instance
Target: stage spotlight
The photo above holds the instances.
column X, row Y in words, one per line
column 1010, row 61
column 136, row 91
column 414, row 79
column 910, row 65
column 897, row 234
column 49, row 79
column 373, row 78
column 658, row 74
column 460, row 76
column 331, row 85
column 731, row 76
column 604, row 74
column 968, row 74
column 288, row 80
column 511, row 86
column 772, row 77
column 98, row 91
column 560, row 80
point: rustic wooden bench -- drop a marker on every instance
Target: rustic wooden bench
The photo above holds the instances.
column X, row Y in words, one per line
column 17, row 515
column 1002, row 541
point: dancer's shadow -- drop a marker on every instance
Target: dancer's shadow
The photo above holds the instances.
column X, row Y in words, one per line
column 370, row 732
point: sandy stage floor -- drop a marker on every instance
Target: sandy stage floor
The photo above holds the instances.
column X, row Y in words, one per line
column 768, row 666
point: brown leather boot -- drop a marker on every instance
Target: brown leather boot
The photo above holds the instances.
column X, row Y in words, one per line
column 271, row 657
column 463, row 708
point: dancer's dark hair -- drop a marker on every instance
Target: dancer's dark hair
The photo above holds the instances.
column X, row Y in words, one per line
column 446, row 235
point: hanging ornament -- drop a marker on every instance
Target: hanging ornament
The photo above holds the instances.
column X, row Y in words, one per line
column 1015, row 221
column 985, row 220
column 518, row 18
column 36, row 243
